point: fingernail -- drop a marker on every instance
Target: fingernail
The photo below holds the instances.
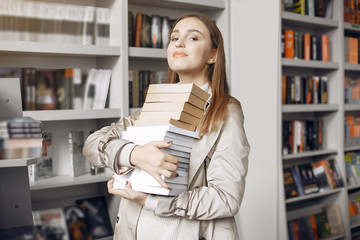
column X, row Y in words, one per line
column 170, row 142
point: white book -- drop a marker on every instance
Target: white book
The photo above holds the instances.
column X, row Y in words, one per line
column 78, row 161
column 161, row 129
column 102, row 87
column 144, row 182
column 159, row 136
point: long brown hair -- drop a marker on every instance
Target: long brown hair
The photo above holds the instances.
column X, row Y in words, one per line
column 217, row 111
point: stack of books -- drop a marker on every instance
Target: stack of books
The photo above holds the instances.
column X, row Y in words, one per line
column 20, row 137
column 171, row 112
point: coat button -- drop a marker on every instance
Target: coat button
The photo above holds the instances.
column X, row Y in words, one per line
column 117, row 219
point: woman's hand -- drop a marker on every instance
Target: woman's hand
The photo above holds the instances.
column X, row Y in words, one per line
column 151, row 159
column 127, row 193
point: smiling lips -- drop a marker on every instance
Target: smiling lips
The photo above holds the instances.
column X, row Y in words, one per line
column 179, row 54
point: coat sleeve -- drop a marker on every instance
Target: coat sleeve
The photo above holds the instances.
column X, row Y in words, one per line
column 105, row 148
column 225, row 179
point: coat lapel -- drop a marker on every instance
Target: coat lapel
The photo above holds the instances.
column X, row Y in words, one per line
column 200, row 150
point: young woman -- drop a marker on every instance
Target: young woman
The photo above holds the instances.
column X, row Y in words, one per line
column 219, row 159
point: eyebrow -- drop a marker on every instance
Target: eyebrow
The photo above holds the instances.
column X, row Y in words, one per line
column 188, row 31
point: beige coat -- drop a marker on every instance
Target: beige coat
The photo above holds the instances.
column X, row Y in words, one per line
column 217, row 171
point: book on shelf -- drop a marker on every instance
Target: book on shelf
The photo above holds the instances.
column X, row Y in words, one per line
column 51, row 223
column 145, row 33
column 333, row 213
column 77, row 159
column 96, row 216
column 44, row 168
column 76, row 222
column 307, row 178
column 289, row 182
column 20, row 137
column 323, row 225
column 102, row 26
column 138, row 25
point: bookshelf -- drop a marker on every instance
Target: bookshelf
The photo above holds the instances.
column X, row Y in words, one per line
column 62, row 190
column 259, row 89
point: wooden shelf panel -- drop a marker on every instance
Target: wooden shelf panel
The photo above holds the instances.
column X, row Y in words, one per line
column 292, row 108
column 310, row 64
column 60, row 115
column 193, row 5
column 65, row 181
column 309, row 154
column 147, row 53
column 305, row 21
column 312, row 196
column 17, row 162
column 57, row 49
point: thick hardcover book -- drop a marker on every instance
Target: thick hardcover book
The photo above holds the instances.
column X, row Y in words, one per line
column 175, row 97
column 138, row 23
column 321, row 177
column 77, row 159
column 97, row 216
column 50, row 223
column 308, row 179
column 177, row 115
column 289, row 43
column 179, row 88
column 297, row 179
column 145, row 39
column 335, row 220
column 151, row 122
column 43, row 169
column 290, row 187
column 173, row 106
column 323, row 226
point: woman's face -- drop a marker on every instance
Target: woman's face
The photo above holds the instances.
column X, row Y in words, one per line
column 189, row 51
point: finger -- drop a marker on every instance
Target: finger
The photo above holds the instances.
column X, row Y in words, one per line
column 161, row 182
column 170, row 158
column 170, row 166
column 161, row 144
column 169, row 174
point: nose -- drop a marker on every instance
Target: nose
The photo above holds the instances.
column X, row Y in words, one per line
column 180, row 43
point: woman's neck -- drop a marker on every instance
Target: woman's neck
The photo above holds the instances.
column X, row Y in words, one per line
column 191, row 78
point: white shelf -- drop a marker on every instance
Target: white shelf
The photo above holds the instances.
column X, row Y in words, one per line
column 292, row 108
column 309, row 154
column 65, row 181
column 60, row 115
column 352, row 187
column 352, row 67
column 313, row 196
column 147, row 53
column 352, row 107
column 193, row 5
column 351, row 27
column 18, row 162
column 305, row 21
column 349, row 149
column 49, row 49
column 311, row 64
